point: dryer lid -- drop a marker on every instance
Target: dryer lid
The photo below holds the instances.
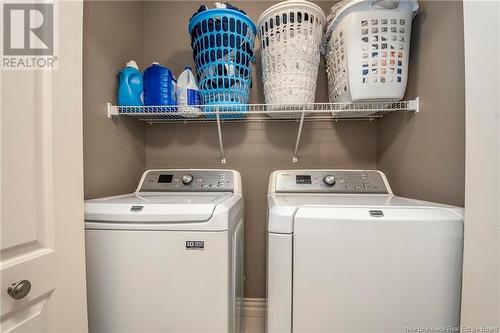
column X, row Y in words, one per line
column 178, row 207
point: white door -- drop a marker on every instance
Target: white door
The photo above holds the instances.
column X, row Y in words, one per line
column 42, row 230
column 481, row 287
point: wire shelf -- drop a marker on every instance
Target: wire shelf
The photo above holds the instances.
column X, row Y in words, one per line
column 300, row 113
column 263, row 112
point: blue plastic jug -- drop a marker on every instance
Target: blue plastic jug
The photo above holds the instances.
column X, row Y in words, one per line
column 158, row 85
column 130, row 85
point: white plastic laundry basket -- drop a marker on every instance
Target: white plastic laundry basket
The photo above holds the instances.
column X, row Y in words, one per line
column 291, row 33
column 367, row 46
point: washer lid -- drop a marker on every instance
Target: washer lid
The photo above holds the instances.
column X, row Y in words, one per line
column 154, row 207
column 284, row 208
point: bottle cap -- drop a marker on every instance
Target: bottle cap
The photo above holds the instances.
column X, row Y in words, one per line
column 132, row 64
column 188, row 67
column 155, row 63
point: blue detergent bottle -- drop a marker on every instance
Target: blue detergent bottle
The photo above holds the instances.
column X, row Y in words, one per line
column 130, row 85
column 158, row 85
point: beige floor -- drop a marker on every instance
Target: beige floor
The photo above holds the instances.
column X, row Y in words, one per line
column 254, row 315
column 254, row 325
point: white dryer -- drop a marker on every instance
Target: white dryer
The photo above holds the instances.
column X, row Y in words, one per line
column 169, row 257
column 346, row 255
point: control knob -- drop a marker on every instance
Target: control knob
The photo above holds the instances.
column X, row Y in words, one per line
column 187, row 179
column 329, row 180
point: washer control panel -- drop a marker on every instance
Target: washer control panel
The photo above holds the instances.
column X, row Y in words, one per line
column 187, row 181
column 331, row 181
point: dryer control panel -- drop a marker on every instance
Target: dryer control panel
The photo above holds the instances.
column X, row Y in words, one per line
column 330, row 181
column 187, row 181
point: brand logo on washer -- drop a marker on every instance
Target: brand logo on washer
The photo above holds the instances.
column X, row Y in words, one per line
column 376, row 213
column 136, row 208
column 195, row 245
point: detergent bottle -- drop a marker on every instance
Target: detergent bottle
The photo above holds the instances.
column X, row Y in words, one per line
column 187, row 92
column 158, row 85
column 130, row 85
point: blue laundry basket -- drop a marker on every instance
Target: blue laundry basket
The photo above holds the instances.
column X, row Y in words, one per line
column 223, row 51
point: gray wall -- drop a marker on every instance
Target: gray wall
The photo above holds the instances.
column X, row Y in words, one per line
column 424, row 155
column 254, row 150
column 113, row 150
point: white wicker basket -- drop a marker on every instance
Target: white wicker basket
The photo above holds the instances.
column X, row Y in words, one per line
column 291, row 33
column 367, row 46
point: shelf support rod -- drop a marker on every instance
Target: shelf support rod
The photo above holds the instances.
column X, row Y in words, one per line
column 299, row 134
column 221, row 144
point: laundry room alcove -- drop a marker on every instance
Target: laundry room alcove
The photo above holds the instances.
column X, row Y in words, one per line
column 422, row 154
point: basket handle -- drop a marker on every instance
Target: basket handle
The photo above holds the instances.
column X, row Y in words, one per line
column 384, row 4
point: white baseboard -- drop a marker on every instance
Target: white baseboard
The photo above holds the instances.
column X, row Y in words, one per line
column 254, row 315
column 254, row 307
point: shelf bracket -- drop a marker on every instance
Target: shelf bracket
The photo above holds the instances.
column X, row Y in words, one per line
column 112, row 110
column 414, row 105
column 219, row 131
column 299, row 134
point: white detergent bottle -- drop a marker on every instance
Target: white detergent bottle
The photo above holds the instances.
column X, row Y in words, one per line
column 188, row 94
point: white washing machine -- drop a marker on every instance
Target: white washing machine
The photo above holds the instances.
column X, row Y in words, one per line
column 346, row 255
column 169, row 257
